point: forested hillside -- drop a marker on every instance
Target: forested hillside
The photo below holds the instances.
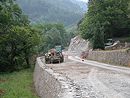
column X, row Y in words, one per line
column 59, row 11
column 106, row 19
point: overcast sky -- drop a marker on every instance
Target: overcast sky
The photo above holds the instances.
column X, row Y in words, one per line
column 85, row 0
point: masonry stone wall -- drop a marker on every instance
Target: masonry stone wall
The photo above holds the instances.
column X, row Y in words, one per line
column 116, row 57
column 46, row 85
column 49, row 84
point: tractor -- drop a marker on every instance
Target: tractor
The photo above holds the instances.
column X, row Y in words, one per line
column 54, row 55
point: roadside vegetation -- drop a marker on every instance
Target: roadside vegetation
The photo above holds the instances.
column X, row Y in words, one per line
column 17, row 85
column 52, row 35
column 18, row 40
column 105, row 19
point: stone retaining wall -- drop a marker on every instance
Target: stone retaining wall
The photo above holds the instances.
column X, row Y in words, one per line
column 49, row 84
column 45, row 83
column 116, row 57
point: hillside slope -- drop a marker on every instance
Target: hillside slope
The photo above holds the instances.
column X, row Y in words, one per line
column 59, row 11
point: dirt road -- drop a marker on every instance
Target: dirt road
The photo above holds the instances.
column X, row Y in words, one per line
column 90, row 79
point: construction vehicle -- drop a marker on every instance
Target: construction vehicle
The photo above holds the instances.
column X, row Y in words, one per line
column 54, row 55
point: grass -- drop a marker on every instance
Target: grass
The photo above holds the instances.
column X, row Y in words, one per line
column 17, row 85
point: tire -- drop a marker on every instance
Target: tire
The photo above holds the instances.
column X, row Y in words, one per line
column 62, row 59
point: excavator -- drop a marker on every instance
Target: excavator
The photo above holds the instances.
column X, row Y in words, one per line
column 54, row 55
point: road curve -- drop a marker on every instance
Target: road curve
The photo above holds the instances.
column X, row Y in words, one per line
column 91, row 79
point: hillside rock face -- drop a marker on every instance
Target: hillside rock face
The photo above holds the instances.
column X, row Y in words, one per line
column 78, row 45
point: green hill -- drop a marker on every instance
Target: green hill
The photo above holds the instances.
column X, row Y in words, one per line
column 52, row 11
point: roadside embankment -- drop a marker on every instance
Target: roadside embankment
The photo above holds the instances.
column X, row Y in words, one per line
column 45, row 83
column 80, row 47
column 116, row 57
column 49, row 84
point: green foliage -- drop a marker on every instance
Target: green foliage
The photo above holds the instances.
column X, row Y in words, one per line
column 17, row 38
column 129, row 9
column 52, row 35
column 72, row 31
column 17, row 85
column 104, row 19
column 52, row 11
column 98, row 37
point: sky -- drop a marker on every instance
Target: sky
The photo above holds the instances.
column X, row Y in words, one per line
column 85, row 0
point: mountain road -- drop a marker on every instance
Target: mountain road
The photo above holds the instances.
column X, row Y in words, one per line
column 92, row 79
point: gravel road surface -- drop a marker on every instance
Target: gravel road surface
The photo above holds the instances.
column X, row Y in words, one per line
column 94, row 80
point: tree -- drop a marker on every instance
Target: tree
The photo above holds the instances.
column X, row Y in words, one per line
column 109, row 17
column 17, row 38
column 52, row 35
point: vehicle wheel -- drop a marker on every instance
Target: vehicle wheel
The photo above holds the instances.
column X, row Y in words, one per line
column 62, row 59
